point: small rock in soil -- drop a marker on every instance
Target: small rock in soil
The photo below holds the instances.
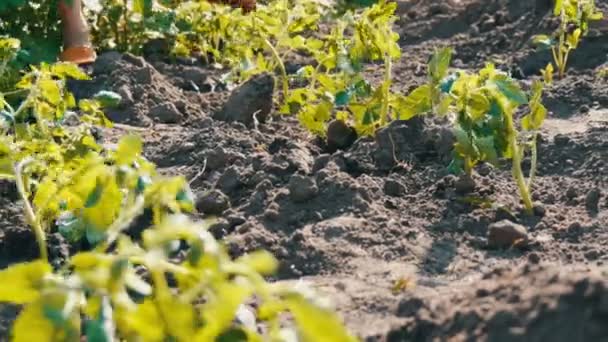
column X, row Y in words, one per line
column 592, row 200
column 212, row 203
column 504, row 234
column 539, row 209
column 464, row 184
column 165, row 113
column 252, row 98
column 340, row 136
column 394, row 188
column 302, row 188
column 571, row 193
column 485, row 169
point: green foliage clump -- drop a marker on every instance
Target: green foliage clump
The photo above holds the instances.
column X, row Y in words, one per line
column 125, row 289
column 574, row 16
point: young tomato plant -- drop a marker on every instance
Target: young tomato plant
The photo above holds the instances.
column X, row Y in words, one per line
column 126, row 295
column 482, row 107
column 574, row 17
column 337, row 86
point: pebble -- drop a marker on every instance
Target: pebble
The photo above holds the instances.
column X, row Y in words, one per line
column 504, row 234
column 539, row 209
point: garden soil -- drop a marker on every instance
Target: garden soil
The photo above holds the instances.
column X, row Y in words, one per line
column 403, row 250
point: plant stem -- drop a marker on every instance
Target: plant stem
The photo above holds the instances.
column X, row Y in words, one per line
column 29, row 211
column 533, row 161
column 279, row 61
column 125, row 16
column 468, row 168
column 524, row 191
column 560, row 53
column 386, row 89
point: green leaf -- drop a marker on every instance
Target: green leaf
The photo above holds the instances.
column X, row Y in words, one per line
column 220, row 311
column 557, row 9
column 33, row 325
column 72, row 228
column 94, row 196
column 108, row 99
column 439, row 64
column 261, row 261
column 487, row 149
column 129, row 148
column 65, row 70
column 463, row 144
column 50, row 91
column 24, row 281
column 535, row 119
column 456, row 166
column 511, row 90
column 478, row 105
column 417, row 102
column 543, row 41
column 142, row 7
column 342, row 98
column 317, row 324
column 94, row 235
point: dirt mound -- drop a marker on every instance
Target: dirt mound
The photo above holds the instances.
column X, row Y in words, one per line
column 533, row 303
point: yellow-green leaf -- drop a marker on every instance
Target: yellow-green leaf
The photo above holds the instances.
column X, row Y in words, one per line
column 477, row 106
column 50, row 91
column 65, row 70
column 129, row 148
column 439, row 64
column 261, row 261
column 220, row 310
column 22, row 281
column 32, row 325
column 316, row 324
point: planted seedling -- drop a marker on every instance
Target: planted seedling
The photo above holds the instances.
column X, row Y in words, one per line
column 574, row 17
column 481, row 107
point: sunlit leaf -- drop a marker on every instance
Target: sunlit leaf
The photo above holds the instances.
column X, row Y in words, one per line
column 129, row 148
column 439, row 64
column 33, row 325
column 316, row 324
column 25, row 281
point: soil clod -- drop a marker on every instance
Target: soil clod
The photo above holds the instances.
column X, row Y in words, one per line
column 302, row 188
column 213, row 203
column 250, row 102
column 505, row 234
